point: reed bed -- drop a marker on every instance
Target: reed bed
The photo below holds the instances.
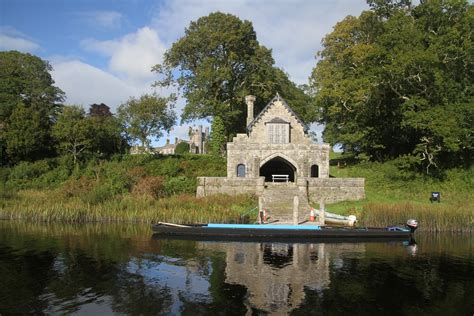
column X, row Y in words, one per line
column 50, row 206
column 433, row 217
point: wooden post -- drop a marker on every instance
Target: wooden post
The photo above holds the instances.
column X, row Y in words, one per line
column 322, row 210
column 260, row 209
column 296, row 204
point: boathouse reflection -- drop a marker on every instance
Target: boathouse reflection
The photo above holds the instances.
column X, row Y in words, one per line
column 276, row 275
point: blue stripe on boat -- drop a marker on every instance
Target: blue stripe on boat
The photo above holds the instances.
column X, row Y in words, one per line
column 257, row 226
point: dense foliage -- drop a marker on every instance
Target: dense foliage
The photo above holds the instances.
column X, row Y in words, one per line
column 217, row 63
column 96, row 180
column 97, row 134
column 397, row 81
column 29, row 104
column 218, row 138
column 147, row 117
column 182, row 148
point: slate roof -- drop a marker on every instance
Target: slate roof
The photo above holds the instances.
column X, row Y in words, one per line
column 277, row 98
column 278, row 120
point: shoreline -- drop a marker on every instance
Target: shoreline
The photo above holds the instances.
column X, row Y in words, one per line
column 47, row 206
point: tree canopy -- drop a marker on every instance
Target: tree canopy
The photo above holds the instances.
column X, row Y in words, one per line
column 398, row 81
column 217, row 63
column 29, row 103
column 147, row 117
column 108, row 131
column 99, row 110
column 73, row 133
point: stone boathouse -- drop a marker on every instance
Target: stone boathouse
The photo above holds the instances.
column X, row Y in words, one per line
column 277, row 160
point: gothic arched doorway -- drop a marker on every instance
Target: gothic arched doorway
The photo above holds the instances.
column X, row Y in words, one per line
column 277, row 166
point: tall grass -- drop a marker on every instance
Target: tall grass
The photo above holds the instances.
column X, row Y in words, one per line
column 51, row 206
column 394, row 195
column 149, row 189
column 434, row 218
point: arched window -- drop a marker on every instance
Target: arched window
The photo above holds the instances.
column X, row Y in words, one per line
column 241, row 170
column 314, row 171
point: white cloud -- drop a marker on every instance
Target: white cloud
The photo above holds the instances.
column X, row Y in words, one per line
column 85, row 84
column 131, row 56
column 105, row 19
column 292, row 29
column 12, row 39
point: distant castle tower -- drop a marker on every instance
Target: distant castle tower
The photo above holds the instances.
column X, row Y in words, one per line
column 198, row 140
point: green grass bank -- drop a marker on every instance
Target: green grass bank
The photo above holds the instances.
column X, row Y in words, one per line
column 148, row 189
column 394, row 195
column 128, row 188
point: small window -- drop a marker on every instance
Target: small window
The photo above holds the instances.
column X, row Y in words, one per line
column 241, row 170
column 314, row 171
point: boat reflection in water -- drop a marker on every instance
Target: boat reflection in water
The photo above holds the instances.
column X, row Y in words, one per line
column 411, row 246
column 117, row 269
column 276, row 274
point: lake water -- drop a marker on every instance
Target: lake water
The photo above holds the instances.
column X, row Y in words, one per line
column 105, row 269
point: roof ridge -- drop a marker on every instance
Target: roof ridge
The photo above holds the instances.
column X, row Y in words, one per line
column 277, row 97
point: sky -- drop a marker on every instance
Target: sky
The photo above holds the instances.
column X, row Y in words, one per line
column 102, row 51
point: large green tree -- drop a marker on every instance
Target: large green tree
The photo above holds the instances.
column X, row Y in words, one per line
column 217, row 63
column 108, row 131
column 147, row 117
column 25, row 135
column 73, row 132
column 82, row 136
column 26, row 86
column 398, row 81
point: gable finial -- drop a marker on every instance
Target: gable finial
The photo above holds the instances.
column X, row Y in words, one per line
column 278, row 97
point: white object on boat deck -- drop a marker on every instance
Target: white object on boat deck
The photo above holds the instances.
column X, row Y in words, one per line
column 331, row 218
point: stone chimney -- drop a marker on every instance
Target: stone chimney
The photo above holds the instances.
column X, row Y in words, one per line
column 176, row 140
column 250, row 99
column 167, row 141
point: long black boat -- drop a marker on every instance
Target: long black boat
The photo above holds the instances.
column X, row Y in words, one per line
column 276, row 232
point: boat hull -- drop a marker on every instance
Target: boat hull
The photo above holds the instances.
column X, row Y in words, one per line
column 204, row 232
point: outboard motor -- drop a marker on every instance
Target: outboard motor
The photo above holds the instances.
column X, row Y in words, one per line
column 412, row 224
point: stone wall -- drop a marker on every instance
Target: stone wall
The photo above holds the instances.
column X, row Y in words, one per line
column 232, row 186
column 336, row 189
column 331, row 189
column 278, row 110
column 253, row 155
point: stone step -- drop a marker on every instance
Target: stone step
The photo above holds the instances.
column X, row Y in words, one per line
column 278, row 201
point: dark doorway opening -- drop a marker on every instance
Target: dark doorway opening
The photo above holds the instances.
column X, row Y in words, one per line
column 277, row 255
column 277, row 166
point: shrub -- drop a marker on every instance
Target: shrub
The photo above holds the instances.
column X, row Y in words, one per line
column 98, row 194
column 116, row 178
column 136, row 173
column 24, row 174
column 4, row 175
column 149, row 186
column 78, row 187
column 179, row 185
column 182, row 148
column 168, row 166
column 53, row 178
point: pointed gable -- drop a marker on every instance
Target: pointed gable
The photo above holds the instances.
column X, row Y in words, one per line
column 281, row 119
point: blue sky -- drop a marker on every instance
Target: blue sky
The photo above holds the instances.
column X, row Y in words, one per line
column 102, row 51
